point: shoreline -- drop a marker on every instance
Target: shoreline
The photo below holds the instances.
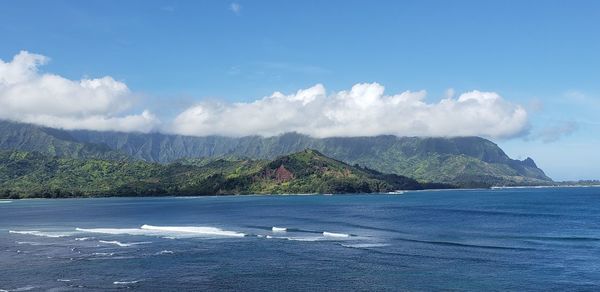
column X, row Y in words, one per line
column 400, row 193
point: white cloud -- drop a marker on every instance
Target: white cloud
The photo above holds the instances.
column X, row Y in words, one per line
column 449, row 93
column 363, row 110
column 26, row 95
column 236, row 8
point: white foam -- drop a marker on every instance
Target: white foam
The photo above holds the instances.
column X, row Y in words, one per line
column 84, row 238
column 337, row 235
column 5, row 202
column 63, row 280
column 365, row 245
column 41, row 233
column 312, row 238
column 114, row 231
column 196, row 230
column 165, row 252
column 125, row 282
column 26, row 288
column 168, row 232
column 124, row 244
column 104, row 254
column 29, row 243
column 278, row 229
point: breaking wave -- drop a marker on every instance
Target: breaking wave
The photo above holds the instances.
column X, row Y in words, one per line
column 84, row 238
column 337, row 235
column 30, row 243
column 104, row 254
column 25, row 288
column 365, row 245
column 278, row 229
column 41, row 233
column 124, row 244
column 114, row 231
column 170, row 232
column 199, row 230
column 125, row 282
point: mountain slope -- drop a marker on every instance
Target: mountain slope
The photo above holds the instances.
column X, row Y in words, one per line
column 469, row 161
column 32, row 174
column 465, row 161
column 26, row 137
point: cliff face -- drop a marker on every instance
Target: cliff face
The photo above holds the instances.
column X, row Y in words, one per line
column 467, row 161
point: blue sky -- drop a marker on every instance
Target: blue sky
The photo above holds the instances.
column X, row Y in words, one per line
column 541, row 55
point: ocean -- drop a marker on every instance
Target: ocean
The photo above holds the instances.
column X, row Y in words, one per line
column 467, row 240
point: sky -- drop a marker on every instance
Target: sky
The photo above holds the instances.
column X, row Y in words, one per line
column 524, row 74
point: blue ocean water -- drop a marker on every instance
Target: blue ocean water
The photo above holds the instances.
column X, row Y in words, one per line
column 476, row 240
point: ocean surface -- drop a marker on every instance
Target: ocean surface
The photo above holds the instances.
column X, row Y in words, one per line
column 473, row 240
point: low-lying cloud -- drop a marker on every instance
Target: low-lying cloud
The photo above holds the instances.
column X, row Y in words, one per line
column 26, row 95
column 364, row 110
column 555, row 132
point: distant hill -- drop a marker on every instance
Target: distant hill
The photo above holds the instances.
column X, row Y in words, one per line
column 32, row 174
column 464, row 161
column 26, row 137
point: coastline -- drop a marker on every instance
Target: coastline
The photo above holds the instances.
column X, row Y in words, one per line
column 399, row 193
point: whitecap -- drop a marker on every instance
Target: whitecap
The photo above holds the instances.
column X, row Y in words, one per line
column 121, row 244
column 365, row 245
column 312, row 238
column 337, row 235
column 168, row 232
column 278, row 229
column 25, row 288
column 125, row 282
column 196, row 230
column 5, row 202
column 41, row 233
column 104, row 254
column 29, row 243
column 84, row 238
column 63, row 280
column 114, row 231
column 165, row 252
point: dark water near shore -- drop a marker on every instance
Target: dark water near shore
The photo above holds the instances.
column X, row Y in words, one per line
column 480, row 240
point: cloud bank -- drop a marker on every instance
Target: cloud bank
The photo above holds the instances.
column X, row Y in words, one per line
column 364, row 110
column 30, row 96
column 26, row 95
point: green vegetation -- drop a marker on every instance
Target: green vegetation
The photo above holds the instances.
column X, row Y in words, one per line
column 463, row 161
column 32, row 174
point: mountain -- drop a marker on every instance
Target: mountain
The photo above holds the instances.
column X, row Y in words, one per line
column 26, row 137
column 464, row 161
column 33, row 174
column 467, row 161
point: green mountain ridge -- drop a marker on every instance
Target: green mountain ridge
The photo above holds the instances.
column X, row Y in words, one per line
column 33, row 174
column 26, row 137
column 464, row 161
